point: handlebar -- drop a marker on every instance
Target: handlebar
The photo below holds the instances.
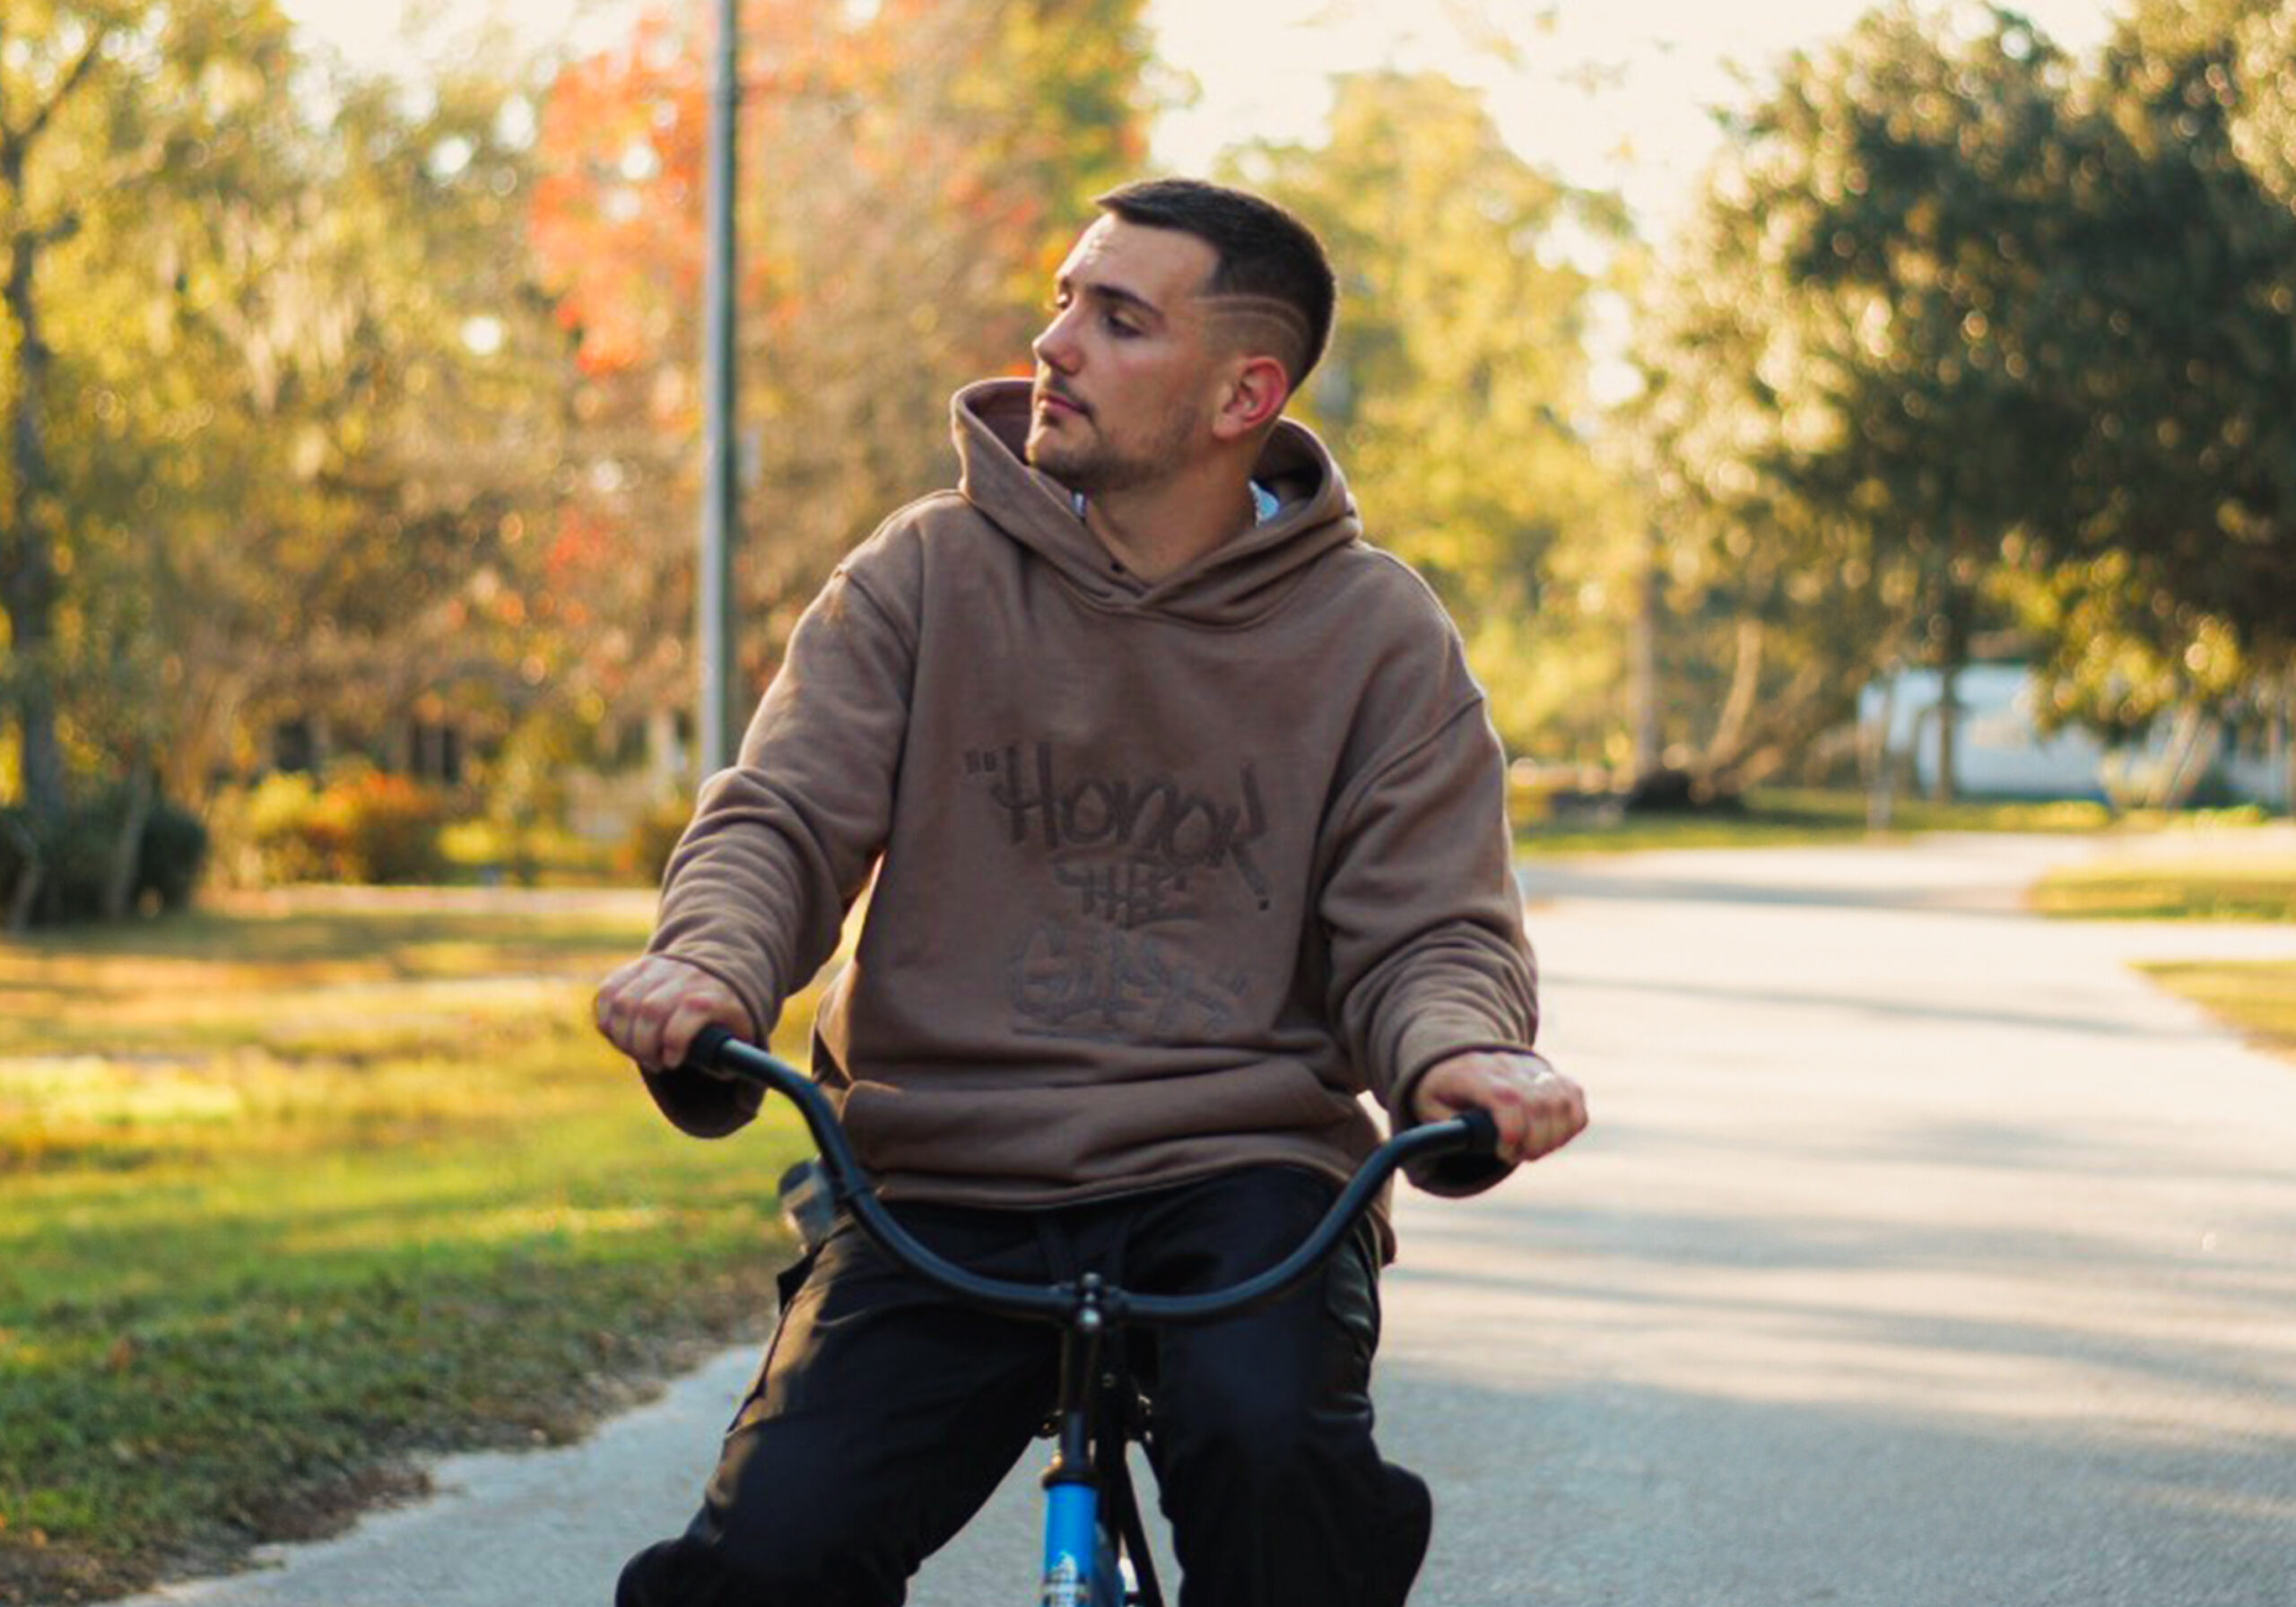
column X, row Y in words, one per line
column 718, row 1053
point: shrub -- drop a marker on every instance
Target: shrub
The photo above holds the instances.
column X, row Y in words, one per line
column 652, row 839
column 364, row 827
column 292, row 835
column 73, row 857
column 174, row 852
column 392, row 828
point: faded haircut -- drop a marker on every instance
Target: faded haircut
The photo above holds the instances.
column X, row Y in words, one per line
column 1271, row 268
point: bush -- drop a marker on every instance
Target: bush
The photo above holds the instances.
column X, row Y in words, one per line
column 72, row 858
column 173, row 854
column 291, row 835
column 392, row 828
column 1670, row 791
column 367, row 827
column 653, row 837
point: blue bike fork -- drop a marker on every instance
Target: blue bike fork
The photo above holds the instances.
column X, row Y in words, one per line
column 1079, row 1568
column 1076, row 1572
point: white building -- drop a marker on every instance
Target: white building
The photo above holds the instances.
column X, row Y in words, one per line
column 2001, row 752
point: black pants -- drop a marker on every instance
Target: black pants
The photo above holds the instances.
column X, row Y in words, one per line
column 885, row 1414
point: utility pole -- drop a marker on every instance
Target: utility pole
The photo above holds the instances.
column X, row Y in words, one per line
column 715, row 741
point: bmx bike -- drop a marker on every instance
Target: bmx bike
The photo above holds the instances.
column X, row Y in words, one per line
column 1096, row 1552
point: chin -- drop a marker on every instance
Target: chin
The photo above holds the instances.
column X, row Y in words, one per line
column 1044, row 456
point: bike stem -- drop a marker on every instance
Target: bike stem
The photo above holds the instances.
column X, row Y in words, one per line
column 1081, row 1338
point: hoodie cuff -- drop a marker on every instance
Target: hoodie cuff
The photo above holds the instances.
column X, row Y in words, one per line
column 703, row 1106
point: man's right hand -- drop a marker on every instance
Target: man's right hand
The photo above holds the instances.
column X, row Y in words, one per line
column 652, row 1008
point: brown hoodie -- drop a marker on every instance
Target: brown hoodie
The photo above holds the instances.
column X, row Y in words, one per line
column 1166, row 874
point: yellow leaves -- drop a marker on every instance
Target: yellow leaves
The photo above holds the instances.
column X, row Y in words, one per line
column 308, row 453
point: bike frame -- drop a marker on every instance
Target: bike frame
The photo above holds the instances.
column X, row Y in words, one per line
column 1082, row 1566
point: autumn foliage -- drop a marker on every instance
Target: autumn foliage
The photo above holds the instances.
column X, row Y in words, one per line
column 907, row 178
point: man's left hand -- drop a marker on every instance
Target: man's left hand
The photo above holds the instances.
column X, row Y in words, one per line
column 1538, row 1108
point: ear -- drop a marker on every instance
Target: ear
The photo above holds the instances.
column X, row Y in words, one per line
column 1257, row 388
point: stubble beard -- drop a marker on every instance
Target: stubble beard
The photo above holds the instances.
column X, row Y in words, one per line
column 1092, row 469
column 1098, row 468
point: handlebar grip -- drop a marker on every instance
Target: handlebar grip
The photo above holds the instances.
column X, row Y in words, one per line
column 1481, row 1131
column 702, row 1054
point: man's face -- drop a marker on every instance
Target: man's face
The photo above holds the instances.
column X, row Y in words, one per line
column 1126, row 380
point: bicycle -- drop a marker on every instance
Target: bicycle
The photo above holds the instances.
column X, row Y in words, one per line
column 1096, row 1549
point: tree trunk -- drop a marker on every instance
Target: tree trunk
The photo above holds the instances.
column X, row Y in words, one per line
column 128, row 848
column 2192, row 749
column 2284, row 734
column 1945, row 784
column 1648, row 743
column 1738, row 705
column 1953, row 658
column 1880, row 800
column 24, row 896
column 29, row 582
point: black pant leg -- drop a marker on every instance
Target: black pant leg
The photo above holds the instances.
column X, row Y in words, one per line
column 883, row 1417
column 1266, row 1464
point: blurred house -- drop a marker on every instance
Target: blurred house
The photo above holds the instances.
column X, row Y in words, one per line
column 2000, row 750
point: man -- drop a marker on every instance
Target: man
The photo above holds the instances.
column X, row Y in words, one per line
column 1186, row 827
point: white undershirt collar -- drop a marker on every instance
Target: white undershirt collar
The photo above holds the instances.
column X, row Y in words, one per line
column 1265, row 504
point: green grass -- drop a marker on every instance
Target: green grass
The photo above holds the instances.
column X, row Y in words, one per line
column 2260, row 887
column 2254, row 997
column 480, row 852
column 2258, row 997
column 1782, row 816
column 298, row 1190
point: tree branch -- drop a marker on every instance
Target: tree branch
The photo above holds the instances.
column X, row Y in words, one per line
column 14, row 143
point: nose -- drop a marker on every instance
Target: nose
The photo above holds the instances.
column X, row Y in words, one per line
column 1055, row 347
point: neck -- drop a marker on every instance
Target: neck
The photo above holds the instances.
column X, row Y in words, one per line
column 1158, row 530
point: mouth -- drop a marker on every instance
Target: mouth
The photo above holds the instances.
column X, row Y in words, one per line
column 1052, row 403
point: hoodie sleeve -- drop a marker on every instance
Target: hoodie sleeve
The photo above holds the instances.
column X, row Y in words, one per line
column 1424, row 921
column 781, row 844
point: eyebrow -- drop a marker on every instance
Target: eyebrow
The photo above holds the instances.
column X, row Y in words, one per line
column 1113, row 294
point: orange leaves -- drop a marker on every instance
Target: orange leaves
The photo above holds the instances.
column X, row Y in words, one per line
column 616, row 215
column 583, row 546
column 909, row 175
column 1005, row 118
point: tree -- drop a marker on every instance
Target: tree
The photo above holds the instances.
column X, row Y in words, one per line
column 1885, row 208
column 913, row 175
column 2262, row 125
column 305, row 378
column 2014, row 338
column 1456, row 390
column 2165, row 571
column 100, row 100
column 379, row 385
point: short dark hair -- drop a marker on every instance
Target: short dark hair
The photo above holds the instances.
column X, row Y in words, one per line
column 1263, row 250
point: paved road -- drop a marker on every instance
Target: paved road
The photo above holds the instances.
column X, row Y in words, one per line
column 1922, row 1255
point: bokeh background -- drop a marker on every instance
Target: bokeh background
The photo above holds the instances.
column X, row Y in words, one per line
column 1721, row 370
column 1818, row 418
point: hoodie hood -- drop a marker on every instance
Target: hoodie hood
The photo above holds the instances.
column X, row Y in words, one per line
column 1233, row 584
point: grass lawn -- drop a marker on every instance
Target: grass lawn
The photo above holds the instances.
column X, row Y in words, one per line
column 2258, row 997
column 300, row 1187
column 1778, row 816
column 2216, row 887
column 2255, row 997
